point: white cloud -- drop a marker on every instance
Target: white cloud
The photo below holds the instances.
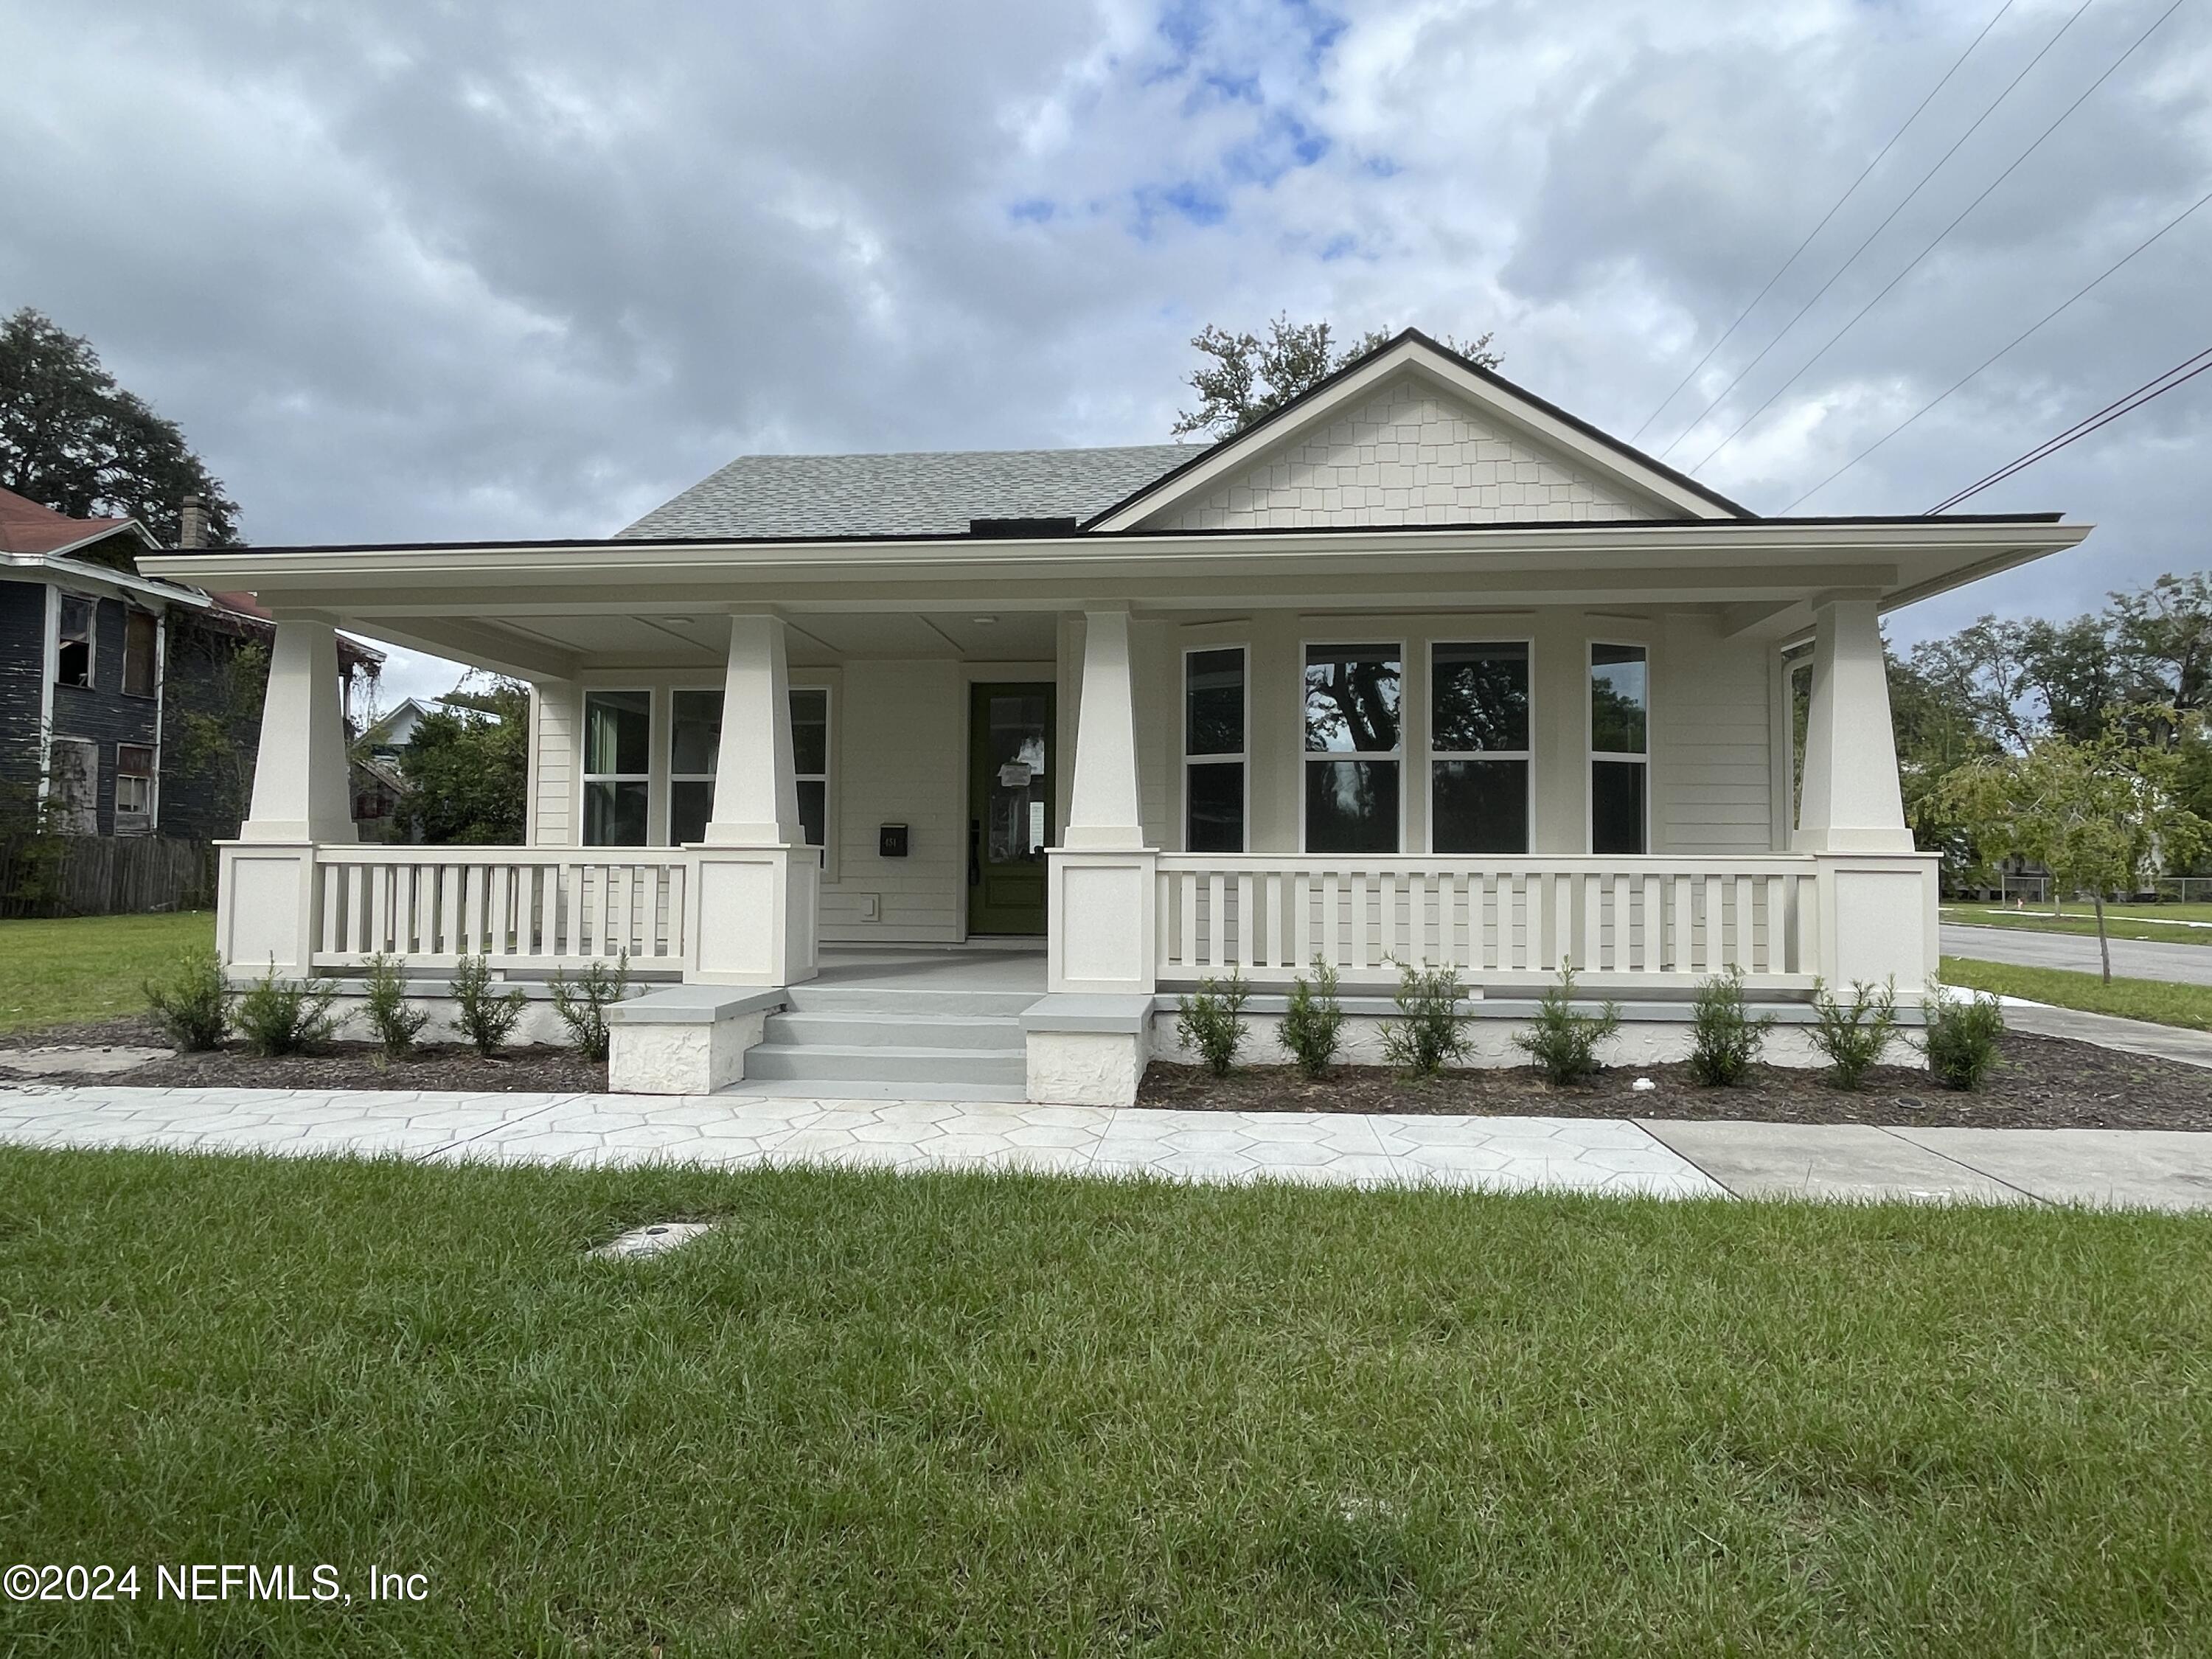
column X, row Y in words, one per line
column 415, row 271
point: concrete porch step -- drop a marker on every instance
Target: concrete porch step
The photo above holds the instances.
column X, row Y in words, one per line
column 808, row 998
column 849, row 1029
column 860, row 1089
column 825, row 1062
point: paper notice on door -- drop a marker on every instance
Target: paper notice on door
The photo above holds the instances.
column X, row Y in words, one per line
column 1014, row 774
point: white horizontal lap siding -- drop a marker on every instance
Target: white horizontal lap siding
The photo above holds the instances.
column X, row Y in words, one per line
column 901, row 758
column 1711, row 781
column 556, row 706
column 1411, row 456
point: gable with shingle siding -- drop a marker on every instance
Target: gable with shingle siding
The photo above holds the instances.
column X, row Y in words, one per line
column 1410, row 455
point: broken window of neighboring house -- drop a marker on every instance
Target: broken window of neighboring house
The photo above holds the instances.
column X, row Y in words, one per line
column 134, row 788
column 141, row 650
column 73, row 657
column 73, row 787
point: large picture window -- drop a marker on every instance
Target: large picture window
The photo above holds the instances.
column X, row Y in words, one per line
column 1213, row 746
column 618, row 761
column 1353, row 747
column 1619, row 741
column 1479, row 747
column 694, row 744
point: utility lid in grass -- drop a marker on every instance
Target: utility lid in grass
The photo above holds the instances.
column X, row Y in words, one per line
column 655, row 1238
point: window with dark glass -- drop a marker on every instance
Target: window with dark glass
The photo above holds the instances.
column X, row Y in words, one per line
column 617, row 761
column 141, row 644
column 695, row 743
column 73, row 642
column 809, row 761
column 1353, row 753
column 1479, row 753
column 1213, row 751
column 1619, row 690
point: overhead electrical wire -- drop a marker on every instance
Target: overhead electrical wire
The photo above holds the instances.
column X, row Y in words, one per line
column 1910, row 195
column 2157, row 386
column 1914, row 265
column 2000, row 351
column 1729, row 334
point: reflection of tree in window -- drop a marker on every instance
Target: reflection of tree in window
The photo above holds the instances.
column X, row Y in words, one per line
column 1481, row 698
column 1617, row 699
column 1351, row 699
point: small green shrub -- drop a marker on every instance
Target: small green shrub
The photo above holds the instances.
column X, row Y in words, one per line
column 1211, row 1022
column 1853, row 1038
column 284, row 1019
column 1310, row 1027
column 480, row 1015
column 1724, row 1039
column 1561, row 1042
column 191, row 1006
column 582, row 1003
column 1430, row 1032
column 1962, row 1039
column 396, row 1024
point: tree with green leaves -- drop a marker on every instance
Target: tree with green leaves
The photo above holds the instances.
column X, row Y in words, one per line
column 1245, row 378
column 468, row 768
column 73, row 439
column 2099, row 815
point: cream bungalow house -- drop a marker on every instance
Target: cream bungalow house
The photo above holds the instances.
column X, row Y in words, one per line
column 1419, row 668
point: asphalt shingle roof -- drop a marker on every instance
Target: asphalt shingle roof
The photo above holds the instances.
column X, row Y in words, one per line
column 906, row 495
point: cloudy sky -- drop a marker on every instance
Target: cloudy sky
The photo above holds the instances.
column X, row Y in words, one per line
column 438, row 272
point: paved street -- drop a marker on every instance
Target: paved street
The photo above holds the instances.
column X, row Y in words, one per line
column 2187, row 965
column 2167, row 1170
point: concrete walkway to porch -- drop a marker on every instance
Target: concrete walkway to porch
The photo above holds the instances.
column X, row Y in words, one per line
column 2135, row 1168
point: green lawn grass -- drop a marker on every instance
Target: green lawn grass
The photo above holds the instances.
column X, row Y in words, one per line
column 2150, row 921
column 89, row 967
column 1006, row 1414
column 2157, row 1000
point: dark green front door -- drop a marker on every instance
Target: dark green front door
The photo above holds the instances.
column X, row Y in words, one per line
column 1010, row 786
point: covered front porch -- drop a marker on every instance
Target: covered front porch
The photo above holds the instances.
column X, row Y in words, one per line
column 878, row 828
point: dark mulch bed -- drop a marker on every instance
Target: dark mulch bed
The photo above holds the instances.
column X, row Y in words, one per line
column 442, row 1066
column 2042, row 1082
column 540, row 1067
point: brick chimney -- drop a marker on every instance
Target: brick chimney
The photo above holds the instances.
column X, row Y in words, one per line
column 192, row 532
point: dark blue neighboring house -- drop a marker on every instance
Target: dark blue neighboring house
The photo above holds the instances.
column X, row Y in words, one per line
column 101, row 671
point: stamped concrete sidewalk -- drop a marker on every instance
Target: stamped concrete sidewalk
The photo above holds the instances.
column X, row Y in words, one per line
column 2148, row 1168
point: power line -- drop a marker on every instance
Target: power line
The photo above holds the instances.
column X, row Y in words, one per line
column 1915, row 263
column 1909, row 196
column 1917, row 113
column 2032, row 328
column 2082, row 428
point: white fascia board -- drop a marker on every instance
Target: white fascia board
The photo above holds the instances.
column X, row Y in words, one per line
column 1236, row 454
column 53, row 565
column 1750, row 545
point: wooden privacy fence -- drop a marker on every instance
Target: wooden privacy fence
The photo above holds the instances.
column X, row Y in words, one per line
column 104, row 875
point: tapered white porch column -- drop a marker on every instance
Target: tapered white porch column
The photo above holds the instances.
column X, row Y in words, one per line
column 756, row 891
column 266, row 897
column 1101, row 913
column 1877, row 894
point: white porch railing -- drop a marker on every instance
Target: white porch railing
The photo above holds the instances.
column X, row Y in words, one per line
column 523, row 907
column 1656, row 921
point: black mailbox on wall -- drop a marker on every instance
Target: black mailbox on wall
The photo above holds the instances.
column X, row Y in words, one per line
column 890, row 840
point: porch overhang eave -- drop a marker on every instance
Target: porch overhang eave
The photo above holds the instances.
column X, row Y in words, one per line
column 1899, row 559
